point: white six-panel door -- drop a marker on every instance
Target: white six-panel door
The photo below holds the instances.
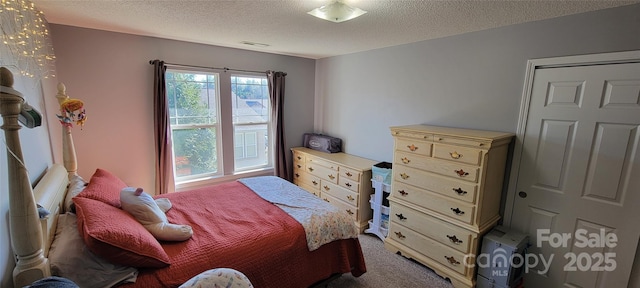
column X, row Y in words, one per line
column 579, row 176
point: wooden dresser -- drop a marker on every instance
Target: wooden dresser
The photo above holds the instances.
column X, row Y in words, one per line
column 446, row 189
column 342, row 179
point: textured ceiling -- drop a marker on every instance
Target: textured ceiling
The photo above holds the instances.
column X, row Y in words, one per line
column 287, row 28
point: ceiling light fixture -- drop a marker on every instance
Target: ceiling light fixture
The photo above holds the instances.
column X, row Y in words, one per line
column 337, row 12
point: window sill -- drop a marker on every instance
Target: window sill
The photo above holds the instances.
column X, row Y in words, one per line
column 202, row 182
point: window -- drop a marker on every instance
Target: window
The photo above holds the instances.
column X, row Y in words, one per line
column 251, row 115
column 197, row 119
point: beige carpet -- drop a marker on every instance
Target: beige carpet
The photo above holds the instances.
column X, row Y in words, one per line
column 387, row 269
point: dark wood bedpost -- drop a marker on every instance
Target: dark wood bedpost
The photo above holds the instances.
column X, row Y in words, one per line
column 24, row 223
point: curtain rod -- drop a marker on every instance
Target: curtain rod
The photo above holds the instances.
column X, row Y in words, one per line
column 214, row 68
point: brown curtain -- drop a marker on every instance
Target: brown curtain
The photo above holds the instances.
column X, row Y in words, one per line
column 276, row 94
column 162, row 132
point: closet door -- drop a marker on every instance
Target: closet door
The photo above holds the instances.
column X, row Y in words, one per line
column 579, row 175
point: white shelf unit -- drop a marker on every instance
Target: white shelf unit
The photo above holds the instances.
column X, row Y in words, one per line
column 375, row 224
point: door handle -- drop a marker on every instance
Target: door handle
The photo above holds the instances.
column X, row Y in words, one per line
column 522, row 194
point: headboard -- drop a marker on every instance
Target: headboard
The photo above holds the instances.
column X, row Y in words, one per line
column 30, row 235
column 50, row 193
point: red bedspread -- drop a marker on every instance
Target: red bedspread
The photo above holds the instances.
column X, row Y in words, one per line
column 235, row 228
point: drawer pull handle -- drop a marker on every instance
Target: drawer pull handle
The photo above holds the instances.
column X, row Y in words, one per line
column 350, row 198
column 461, row 173
column 452, row 260
column 457, row 211
column 412, row 147
column 314, row 182
column 348, row 174
column 403, row 193
column 399, row 235
column 349, row 212
column 310, row 169
column 333, row 177
column 401, row 217
column 404, row 176
column 405, row 160
column 326, row 188
column 459, row 191
column 297, row 175
column 455, row 155
column 299, row 166
column 299, row 158
column 325, row 199
column 347, row 184
column 454, row 239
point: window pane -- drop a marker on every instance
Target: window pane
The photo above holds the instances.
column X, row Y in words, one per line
column 255, row 146
column 192, row 98
column 194, row 151
column 250, row 96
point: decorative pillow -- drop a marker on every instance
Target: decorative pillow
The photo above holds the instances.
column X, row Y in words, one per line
column 219, row 277
column 70, row 258
column 76, row 185
column 104, row 187
column 53, row 281
column 149, row 213
column 115, row 235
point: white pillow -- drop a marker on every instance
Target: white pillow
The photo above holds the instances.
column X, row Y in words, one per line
column 71, row 259
column 219, row 277
column 76, row 185
column 151, row 214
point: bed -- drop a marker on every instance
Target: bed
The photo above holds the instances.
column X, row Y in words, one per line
column 245, row 225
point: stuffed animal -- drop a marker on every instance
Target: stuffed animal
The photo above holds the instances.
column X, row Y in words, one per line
column 150, row 213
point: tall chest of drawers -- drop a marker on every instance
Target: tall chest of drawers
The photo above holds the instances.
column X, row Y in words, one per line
column 342, row 179
column 446, row 190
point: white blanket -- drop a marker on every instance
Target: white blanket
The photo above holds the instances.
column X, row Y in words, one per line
column 322, row 222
